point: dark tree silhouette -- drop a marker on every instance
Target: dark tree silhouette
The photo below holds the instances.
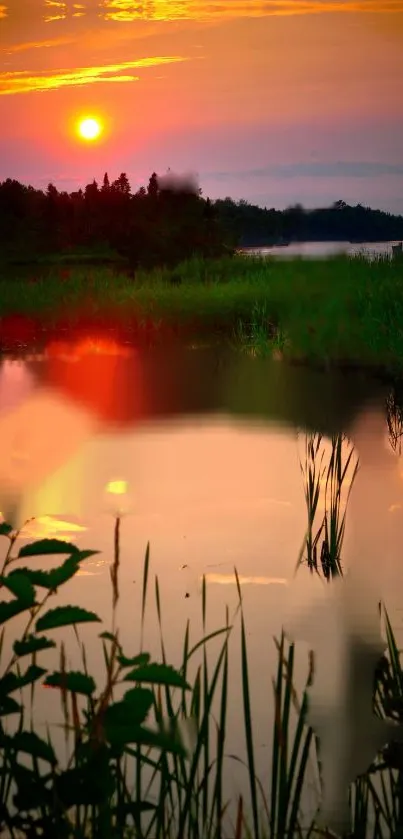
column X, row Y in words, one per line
column 166, row 222
column 105, row 184
column 122, row 185
column 153, row 188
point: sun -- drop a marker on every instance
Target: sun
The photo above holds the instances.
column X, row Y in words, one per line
column 89, row 128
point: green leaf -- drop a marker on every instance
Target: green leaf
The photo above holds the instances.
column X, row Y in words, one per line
column 65, row 616
column 8, row 683
column 80, row 555
column 30, row 743
column 72, row 680
column 20, row 585
column 157, row 674
column 51, row 579
column 32, row 644
column 122, row 719
column 123, row 735
column 141, row 659
column 85, row 785
column 137, row 696
column 12, row 681
column 32, row 674
column 43, row 547
column 32, row 793
column 8, row 705
column 11, row 608
column 5, row 529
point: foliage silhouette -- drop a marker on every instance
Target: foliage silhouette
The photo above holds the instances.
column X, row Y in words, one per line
column 37, row 800
column 167, row 222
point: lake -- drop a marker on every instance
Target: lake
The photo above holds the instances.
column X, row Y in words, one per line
column 321, row 250
column 208, row 446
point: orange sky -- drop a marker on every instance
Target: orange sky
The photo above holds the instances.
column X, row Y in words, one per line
column 276, row 101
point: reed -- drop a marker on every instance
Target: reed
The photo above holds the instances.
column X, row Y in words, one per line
column 328, row 485
column 337, row 310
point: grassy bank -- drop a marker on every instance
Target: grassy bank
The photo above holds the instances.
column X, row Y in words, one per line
column 338, row 310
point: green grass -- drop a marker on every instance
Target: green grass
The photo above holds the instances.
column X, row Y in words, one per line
column 337, row 310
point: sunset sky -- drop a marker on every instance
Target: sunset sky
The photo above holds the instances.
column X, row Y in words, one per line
column 274, row 101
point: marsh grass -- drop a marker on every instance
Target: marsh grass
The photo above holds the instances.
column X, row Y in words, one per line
column 327, row 485
column 340, row 309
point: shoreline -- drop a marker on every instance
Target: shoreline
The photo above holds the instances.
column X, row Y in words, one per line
column 333, row 313
column 103, row 340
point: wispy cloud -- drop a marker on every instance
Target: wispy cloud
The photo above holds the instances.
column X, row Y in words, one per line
column 126, row 11
column 130, row 10
column 59, row 10
column 336, row 169
column 24, row 82
column 31, row 45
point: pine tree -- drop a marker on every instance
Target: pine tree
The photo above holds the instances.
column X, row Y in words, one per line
column 153, row 188
column 106, row 185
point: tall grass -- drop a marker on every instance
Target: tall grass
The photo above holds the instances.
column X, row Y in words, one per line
column 337, row 310
column 326, row 483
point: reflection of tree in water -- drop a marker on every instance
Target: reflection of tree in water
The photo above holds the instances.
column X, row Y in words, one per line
column 394, row 418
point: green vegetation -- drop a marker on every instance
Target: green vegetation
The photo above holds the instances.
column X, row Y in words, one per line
column 337, row 310
column 147, row 751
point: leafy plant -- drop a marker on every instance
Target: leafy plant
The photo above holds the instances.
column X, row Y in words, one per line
column 89, row 795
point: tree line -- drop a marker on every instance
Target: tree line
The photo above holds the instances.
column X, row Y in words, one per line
column 166, row 222
column 255, row 226
column 161, row 224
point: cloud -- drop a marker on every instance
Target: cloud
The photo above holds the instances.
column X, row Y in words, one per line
column 126, row 11
column 130, row 10
column 30, row 45
column 336, row 169
column 112, row 15
column 24, row 82
column 59, row 10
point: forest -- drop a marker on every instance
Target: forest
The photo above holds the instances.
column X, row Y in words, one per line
column 165, row 223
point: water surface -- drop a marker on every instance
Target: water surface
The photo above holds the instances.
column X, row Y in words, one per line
column 208, row 445
column 321, row 250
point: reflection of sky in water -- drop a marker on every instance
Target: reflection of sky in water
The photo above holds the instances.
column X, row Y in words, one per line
column 209, row 495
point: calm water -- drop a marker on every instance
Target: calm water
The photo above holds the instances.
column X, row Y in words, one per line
column 209, row 445
column 318, row 250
